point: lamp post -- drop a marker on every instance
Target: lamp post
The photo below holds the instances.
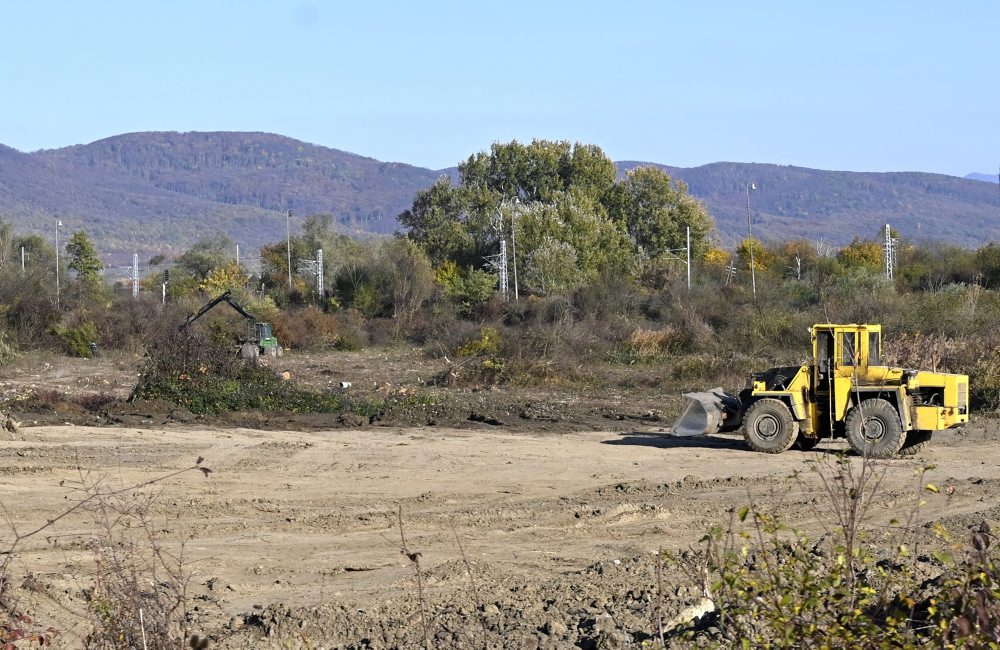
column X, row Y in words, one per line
column 58, row 223
column 753, row 275
column 288, row 246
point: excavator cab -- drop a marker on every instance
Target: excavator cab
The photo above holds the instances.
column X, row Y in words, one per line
column 266, row 340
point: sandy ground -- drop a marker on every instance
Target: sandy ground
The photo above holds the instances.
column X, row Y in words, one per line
column 526, row 539
column 540, row 530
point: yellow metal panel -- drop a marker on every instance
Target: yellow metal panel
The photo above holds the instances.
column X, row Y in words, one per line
column 842, row 395
column 928, row 418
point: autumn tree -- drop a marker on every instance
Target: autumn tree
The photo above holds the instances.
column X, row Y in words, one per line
column 867, row 255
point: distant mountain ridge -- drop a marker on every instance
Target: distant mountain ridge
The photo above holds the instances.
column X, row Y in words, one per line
column 149, row 189
column 986, row 178
column 161, row 191
column 834, row 206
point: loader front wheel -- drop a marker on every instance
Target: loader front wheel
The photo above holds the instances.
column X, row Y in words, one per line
column 873, row 429
column 768, row 426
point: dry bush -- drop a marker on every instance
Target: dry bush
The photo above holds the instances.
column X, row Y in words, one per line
column 127, row 323
column 647, row 343
column 138, row 596
column 934, row 352
column 862, row 584
column 30, row 319
column 306, row 328
column 444, row 337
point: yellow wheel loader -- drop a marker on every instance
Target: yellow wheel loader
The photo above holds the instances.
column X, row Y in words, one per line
column 845, row 391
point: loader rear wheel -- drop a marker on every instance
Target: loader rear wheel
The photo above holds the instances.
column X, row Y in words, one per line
column 874, row 430
column 916, row 441
column 768, row 426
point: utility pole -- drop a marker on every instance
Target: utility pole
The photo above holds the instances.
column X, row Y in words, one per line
column 689, row 256
column 498, row 262
column 135, row 275
column 753, row 275
column 288, row 244
column 889, row 252
column 58, row 223
column 320, row 289
column 513, row 245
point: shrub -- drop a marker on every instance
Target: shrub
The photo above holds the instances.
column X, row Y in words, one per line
column 77, row 339
column 206, row 377
column 487, row 343
column 771, row 585
column 306, row 328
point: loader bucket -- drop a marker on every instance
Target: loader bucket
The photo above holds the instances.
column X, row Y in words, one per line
column 708, row 412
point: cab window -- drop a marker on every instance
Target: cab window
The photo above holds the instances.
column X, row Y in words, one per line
column 847, row 345
column 874, row 351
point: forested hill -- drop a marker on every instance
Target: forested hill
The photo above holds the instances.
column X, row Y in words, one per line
column 797, row 202
column 162, row 190
column 145, row 190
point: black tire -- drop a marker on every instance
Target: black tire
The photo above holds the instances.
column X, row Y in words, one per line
column 873, row 429
column 805, row 443
column 768, row 426
column 916, row 441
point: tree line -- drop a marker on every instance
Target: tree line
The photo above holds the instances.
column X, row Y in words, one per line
column 574, row 231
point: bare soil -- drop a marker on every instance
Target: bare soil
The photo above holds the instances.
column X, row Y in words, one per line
column 537, row 512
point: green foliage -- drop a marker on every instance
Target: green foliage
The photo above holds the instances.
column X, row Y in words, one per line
column 486, row 343
column 84, row 260
column 205, row 255
column 76, row 339
column 470, row 288
column 559, row 208
column 205, row 376
column 987, row 260
column 763, row 258
column 657, row 211
column 438, row 222
column 567, row 244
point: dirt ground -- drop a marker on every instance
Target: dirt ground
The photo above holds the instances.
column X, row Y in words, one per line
column 537, row 513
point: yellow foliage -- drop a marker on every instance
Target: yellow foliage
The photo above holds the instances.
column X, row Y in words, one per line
column 229, row 276
column 717, row 258
column 763, row 258
column 865, row 254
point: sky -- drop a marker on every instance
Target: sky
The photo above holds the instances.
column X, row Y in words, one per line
column 859, row 86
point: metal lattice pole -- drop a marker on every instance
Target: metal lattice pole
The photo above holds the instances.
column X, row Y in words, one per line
column 319, row 274
column 135, row 275
column 889, row 253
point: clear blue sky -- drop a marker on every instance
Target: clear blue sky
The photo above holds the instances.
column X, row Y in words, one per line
column 863, row 86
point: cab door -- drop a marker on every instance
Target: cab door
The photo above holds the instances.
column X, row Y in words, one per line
column 825, row 359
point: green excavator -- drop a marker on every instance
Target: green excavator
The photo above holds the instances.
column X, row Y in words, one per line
column 260, row 340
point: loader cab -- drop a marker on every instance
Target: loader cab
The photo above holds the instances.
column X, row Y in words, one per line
column 842, row 354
